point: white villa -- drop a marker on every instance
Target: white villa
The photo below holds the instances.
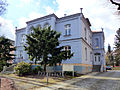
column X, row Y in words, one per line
column 76, row 35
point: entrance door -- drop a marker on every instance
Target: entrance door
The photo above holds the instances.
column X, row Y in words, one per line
column 97, row 60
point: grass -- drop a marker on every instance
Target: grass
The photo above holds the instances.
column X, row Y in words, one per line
column 33, row 81
column 115, row 68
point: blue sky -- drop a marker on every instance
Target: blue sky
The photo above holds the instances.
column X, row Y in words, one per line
column 101, row 13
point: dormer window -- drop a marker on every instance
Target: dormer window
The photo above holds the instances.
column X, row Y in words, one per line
column 67, row 29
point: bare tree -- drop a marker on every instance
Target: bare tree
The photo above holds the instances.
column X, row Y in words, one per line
column 3, row 5
column 116, row 3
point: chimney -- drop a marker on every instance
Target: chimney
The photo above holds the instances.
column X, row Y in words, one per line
column 81, row 10
column 65, row 15
column 102, row 29
column 15, row 28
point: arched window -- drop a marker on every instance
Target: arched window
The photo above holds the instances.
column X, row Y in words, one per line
column 46, row 25
column 38, row 26
column 30, row 29
column 68, row 48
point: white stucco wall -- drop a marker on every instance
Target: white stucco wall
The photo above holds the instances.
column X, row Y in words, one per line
column 89, row 50
column 75, row 48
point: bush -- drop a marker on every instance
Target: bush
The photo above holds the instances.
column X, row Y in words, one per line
column 36, row 69
column 23, row 68
column 2, row 63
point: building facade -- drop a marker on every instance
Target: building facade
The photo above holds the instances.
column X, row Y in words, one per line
column 76, row 36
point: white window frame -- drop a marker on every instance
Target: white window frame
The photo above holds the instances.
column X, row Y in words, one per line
column 67, row 29
column 23, row 38
column 21, row 54
column 67, row 48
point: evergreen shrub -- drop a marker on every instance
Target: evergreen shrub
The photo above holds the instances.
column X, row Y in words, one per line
column 23, row 68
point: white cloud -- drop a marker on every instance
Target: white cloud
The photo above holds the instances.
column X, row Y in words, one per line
column 26, row 1
column 54, row 2
column 49, row 10
column 22, row 21
column 7, row 29
column 100, row 13
column 34, row 15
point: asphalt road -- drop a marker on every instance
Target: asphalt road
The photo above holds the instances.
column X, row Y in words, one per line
column 102, row 81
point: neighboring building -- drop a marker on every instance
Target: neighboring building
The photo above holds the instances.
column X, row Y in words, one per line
column 12, row 52
column 98, row 50
column 76, row 36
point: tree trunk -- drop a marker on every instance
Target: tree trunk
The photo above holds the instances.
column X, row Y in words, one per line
column 45, row 68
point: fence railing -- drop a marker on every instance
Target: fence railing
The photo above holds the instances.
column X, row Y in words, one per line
column 51, row 74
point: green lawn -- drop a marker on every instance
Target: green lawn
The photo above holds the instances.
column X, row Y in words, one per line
column 115, row 68
column 32, row 82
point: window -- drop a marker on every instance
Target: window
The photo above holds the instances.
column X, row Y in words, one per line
column 46, row 25
column 86, row 54
column 31, row 30
column 96, row 42
column 99, row 58
column 68, row 48
column 23, row 38
column 90, row 40
column 38, row 25
column 95, row 58
column 21, row 54
column 67, row 30
column 85, row 33
column 91, row 56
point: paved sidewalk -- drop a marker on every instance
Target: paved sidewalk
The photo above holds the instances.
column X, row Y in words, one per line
column 67, row 83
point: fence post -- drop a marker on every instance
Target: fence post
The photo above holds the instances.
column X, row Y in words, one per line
column 47, row 78
column 73, row 74
column 63, row 73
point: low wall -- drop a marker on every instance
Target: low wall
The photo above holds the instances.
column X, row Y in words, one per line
column 51, row 68
column 77, row 68
column 82, row 69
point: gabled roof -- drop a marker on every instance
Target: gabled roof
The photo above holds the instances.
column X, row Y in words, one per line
column 69, row 16
column 47, row 16
column 88, row 22
column 20, row 29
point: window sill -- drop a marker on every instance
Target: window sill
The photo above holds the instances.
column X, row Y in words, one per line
column 67, row 35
